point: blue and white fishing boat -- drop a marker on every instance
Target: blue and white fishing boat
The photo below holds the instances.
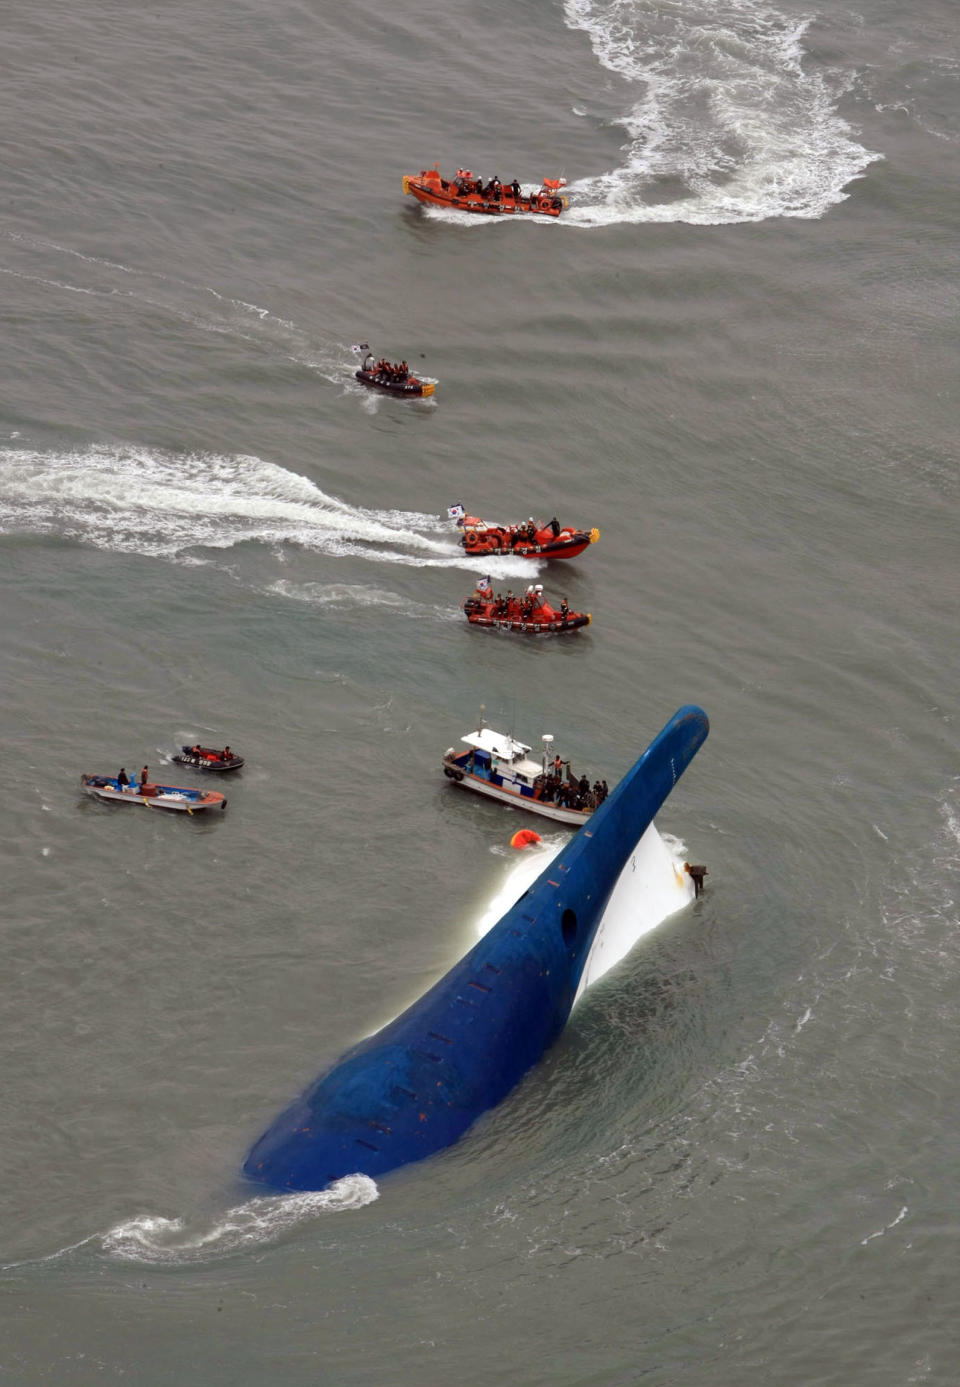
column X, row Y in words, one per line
column 495, row 764
column 176, row 797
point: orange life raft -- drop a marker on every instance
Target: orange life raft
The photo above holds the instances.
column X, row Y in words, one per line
column 465, row 193
column 531, row 541
column 531, row 614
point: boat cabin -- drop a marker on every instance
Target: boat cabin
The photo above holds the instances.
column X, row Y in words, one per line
column 500, row 759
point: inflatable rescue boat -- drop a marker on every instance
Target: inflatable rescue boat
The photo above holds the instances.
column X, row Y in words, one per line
column 208, row 758
column 534, row 541
column 409, row 388
column 465, row 193
column 530, row 614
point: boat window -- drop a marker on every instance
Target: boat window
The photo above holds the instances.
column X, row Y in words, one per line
column 568, row 924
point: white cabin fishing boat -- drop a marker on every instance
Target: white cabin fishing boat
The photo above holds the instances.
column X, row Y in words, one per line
column 495, row 764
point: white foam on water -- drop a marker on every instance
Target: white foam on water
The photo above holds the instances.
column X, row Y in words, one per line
column 725, row 110
column 338, row 596
column 155, row 1240
column 904, row 1210
column 132, row 500
column 152, row 1239
column 651, row 887
column 454, row 218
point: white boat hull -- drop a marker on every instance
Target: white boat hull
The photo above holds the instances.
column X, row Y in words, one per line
column 498, row 792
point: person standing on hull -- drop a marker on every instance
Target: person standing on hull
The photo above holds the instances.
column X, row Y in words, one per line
column 696, row 873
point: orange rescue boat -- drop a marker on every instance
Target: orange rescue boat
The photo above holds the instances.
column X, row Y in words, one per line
column 531, row 614
column 466, row 193
column 530, row 541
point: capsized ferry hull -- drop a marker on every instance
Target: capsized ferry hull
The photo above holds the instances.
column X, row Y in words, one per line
column 416, row 1086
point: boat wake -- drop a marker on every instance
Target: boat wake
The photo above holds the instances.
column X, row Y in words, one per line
column 175, row 506
column 67, row 271
column 728, row 124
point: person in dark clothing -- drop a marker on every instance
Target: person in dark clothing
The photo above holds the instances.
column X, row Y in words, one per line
column 583, row 785
column 144, row 778
column 555, row 526
column 696, row 873
column 605, row 789
column 515, row 189
column 123, row 780
column 564, row 609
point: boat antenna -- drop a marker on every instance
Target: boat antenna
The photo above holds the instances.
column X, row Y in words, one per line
column 483, row 709
column 547, row 738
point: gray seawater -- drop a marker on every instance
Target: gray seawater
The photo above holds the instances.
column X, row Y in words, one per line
column 737, row 357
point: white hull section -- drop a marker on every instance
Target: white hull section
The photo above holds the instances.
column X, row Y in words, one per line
column 178, row 803
column 651, row 887
column 512, row 797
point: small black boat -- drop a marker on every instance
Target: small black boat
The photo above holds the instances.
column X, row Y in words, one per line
column 411, row 388
column 208, row 758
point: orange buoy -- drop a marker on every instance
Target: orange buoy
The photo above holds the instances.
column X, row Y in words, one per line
column 524, row 837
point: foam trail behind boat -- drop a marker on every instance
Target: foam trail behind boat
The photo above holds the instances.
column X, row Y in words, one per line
column 135, row 500
column 418, row 1084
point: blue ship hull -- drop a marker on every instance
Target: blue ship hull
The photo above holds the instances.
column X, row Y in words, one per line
column 416, row 1086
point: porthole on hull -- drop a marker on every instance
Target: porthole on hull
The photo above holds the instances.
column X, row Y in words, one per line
column 568, row 924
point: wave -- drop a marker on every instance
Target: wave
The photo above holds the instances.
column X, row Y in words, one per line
column 69, row 271
column 155, row 1240
column 340, row 596
column 728, row 122
column 164, row 505
column 728, row 125
column 149, row 1238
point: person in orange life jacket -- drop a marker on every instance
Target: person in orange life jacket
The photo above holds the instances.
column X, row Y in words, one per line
column 144, row 778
